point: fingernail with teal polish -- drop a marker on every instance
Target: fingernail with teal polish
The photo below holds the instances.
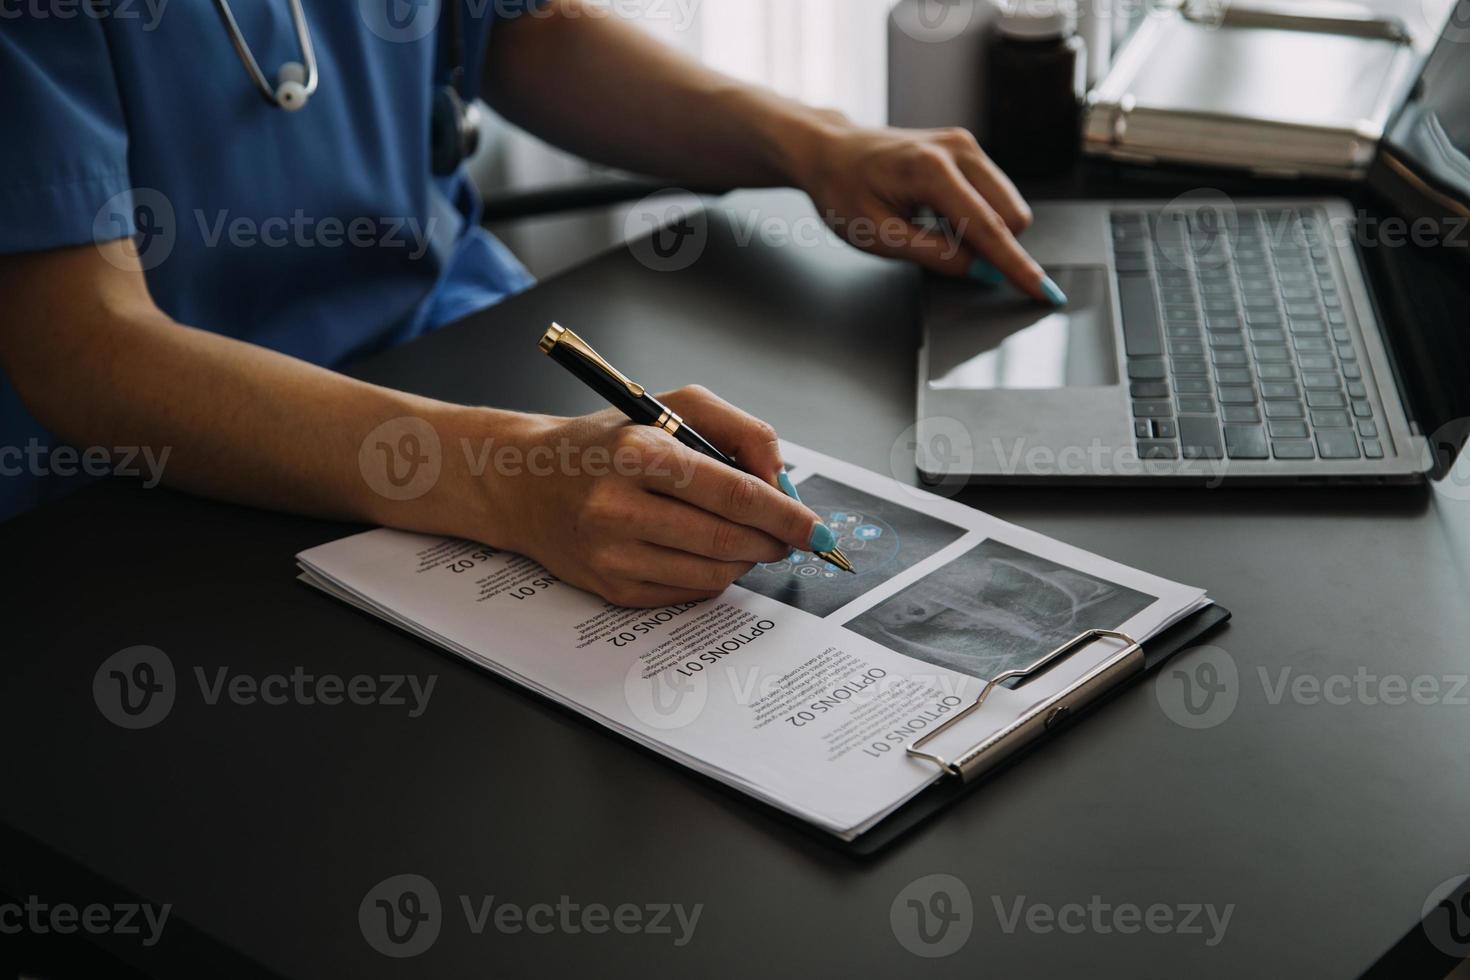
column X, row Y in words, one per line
column 983, row 271
column 1053, row 292
column 822, row 539
column 787, row 486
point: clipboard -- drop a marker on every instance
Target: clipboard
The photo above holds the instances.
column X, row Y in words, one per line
column 969, row 769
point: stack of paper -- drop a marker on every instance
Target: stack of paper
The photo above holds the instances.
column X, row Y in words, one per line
column 801, row 685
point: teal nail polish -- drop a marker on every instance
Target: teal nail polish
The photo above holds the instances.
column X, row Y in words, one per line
column 983, row 271
column 822, row 539
column 1053, row 292
column 787, row 486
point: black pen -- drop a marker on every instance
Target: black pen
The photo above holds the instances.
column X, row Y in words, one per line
column 634, row 401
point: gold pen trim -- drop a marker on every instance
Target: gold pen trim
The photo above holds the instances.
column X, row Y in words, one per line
column 670, row 422
column 557, row 334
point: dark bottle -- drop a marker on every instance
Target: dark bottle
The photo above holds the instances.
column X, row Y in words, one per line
column 1035, row 81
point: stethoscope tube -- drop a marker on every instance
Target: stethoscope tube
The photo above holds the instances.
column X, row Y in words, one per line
column 252, row 67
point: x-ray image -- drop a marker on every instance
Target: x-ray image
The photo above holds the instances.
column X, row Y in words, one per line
column 995, row 608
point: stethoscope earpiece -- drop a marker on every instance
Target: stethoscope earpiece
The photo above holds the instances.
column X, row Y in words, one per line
column 291, row 90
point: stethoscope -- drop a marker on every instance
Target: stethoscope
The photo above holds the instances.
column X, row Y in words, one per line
column 454, row 126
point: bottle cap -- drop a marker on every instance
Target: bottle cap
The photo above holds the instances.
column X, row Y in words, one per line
column 1037, row 20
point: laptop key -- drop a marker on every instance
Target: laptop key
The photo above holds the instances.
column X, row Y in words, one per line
column 1275, row 372
column 1141, row 429
column 1356, row 389
column 1277, row 389
column 1292, row 449
column 1149, row 389
column 1327, row 419
column 1316, row 362
column 1237, row 395
column 1245, row 442
column 1284, row 410
column 1320, row 379
column 1288, row 429
column 1240, row 413
column 1367, row 428
column 1326, row 399
column 1152, row 409
column 1142, row 336
column 1273, row 355
column 1150, row 370
column 1352, row 371
column 1196, row 405
column 1199, row 438
column 1338, row 444
column 1229, row 357
column 1233, row 375
column 1186, row 348
column 1372, row 448
column 1192, row 386
column 1363, row 410
column 1152, row 449
column 1188, row 366
column 1165, row 429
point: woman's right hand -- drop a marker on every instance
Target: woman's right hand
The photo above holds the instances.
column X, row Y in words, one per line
column 628, row 512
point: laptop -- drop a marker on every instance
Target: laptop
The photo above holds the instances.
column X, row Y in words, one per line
column 1207, row 339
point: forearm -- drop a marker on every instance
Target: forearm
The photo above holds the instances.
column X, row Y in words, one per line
column 602, row 89
column 242, row 423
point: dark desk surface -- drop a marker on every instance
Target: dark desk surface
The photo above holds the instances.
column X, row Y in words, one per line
column 1325, row 826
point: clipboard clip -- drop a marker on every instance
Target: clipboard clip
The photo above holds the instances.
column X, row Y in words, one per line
column 1126, row 663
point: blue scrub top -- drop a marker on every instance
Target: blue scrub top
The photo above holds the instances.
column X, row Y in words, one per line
column 321, row 233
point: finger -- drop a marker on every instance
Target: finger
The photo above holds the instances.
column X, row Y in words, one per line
column 938, row 251
column 752, row 442
column 737, row 497
column 997, row 188
column 654, row 564
column 684, row 527
column 985, row 231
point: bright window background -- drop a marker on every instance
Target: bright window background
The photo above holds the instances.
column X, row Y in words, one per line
column 831, row 53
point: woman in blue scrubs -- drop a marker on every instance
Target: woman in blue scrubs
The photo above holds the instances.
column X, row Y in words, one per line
column 188, row 246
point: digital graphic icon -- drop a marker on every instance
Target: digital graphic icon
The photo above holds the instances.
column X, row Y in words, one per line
column 933, row 916
column 135, row 687
column 401, row 458
column 1200, row 688
column 401, row 916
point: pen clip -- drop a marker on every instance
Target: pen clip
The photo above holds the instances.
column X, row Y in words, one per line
column 557, row 335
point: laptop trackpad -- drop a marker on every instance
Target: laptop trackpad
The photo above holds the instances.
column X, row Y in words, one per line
column 997, row 338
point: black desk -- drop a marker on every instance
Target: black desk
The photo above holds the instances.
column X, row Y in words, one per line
column 1325, row 826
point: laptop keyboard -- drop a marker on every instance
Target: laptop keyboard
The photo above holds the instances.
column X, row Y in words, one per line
column 1237, row 344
